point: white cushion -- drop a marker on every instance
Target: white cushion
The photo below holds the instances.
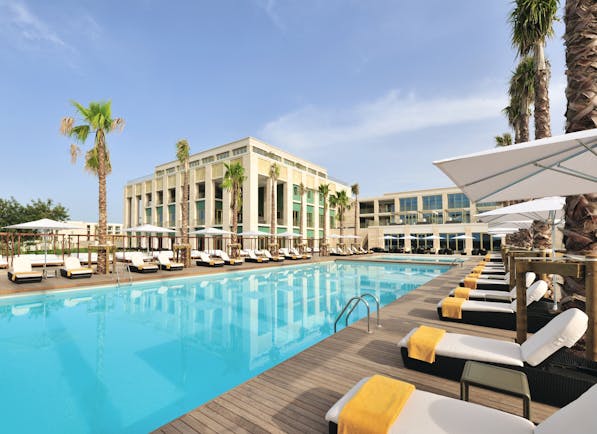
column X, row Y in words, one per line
column 21, row 264
column 578, row 417
column 469, row 347
column 488, row 293
column 429, row 413
column 564, row 330
column 484, row 306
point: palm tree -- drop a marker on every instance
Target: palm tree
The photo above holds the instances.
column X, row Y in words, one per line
column 324, row 191
column 233, row 181
column 274, row 174
column 182, row 154
column 512, row 113
column 503, row 140
column 521, row 93
column 580, row 230
column 532, row 23
column 342, row 203
column 302, row 191
column 96, row 119
column 355, row 190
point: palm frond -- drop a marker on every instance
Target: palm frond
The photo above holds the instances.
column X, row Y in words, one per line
column 66, row 125
column 75, row 151
column 92, row 161
column 182, row 150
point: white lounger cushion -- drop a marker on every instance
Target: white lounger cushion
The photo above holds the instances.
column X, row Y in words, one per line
column 578, row 417
column 428, row 413
column 501, row 295
column 470, row 347
column 564, row 330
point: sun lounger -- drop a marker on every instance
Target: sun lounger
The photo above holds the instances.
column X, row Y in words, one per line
column 74, row 270
column 489, row 295
column 429, row 413
column 503, row 315
column 295, row 252
column 499, row 285
column 137, row 264
column 253, row 257
column 195, row 254
column 165, row 264
column 286, row 253
column 208, row 261
column 21, row 271
column 337, row 252
column 3, row 262
column 266, row 253
column 227, row 260
column 556, row 376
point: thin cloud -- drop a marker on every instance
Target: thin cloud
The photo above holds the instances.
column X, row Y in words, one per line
column 28, row 27
column 387, row 116
column 269, row 7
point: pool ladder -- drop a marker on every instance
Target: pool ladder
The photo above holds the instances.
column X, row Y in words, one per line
column 127, row 269
column 359, row 299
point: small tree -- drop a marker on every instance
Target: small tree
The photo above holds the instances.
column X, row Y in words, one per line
column 274, row 174
column 302, row 191
column 324, row 191
column 355, row 190
column 233, row 181
column 503, row 140
column 182, row 154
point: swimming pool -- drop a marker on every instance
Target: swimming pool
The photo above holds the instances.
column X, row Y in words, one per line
column 131, row 359
column 432, row 259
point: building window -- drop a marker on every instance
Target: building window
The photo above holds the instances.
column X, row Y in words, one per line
column 433, row 217
column 218, row 212
column 172, row 195
column 172, row 215
column 310, row 196
column 321, row 218
column 194, row 163
column 408, row 204
column 207, row 160
column 218, row 192
column 366, row 207
column 170, row 170
column 200, row 190
column 365, row 222
column 458, row 200
column 261, row 204
column 200, row 208
column 313, row 171
column 223, row 155
column 239, row 151
column 386, row 206
column 384, row 221
column 296, row 194
column 160, row 199
column 459, row 217
column 310, row 219
column 322, row 175
column 148, row 202
column 432, row 202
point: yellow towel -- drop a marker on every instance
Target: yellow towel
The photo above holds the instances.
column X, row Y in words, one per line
column 461, row 292
column 422, row 343
column 481, row 264
column 452, row 307
column 375, row 407
column 488, row 257
column 477, row 270
column 470, row 282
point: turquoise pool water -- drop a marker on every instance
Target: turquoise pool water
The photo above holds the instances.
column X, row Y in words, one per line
column 432, row 259
column 130, row 359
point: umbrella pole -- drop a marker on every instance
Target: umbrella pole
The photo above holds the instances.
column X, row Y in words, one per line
column 552, row 218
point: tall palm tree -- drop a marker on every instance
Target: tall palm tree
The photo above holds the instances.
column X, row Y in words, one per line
column 274, row 174
column 355, row 190
column 96, row 119
column 521, row 93
column 342, row 203
column 302, row 191
column 233, row 181
column 532, row 23
column 503, row 140
column 182, row 154
column 580, row 230
column 324, row 191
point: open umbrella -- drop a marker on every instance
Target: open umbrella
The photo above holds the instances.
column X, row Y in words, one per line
column 389, row 238
column 463, row 237
column 150, row 229
column 210, row 232
column 544, row 209
column 43, row 225
column 561, row 165
column 254, row 234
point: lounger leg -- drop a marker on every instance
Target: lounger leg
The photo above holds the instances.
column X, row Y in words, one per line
column 464, row 390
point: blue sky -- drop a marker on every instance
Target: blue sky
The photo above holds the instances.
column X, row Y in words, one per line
column 372, row 90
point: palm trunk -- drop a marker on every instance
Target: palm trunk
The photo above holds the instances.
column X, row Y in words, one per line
column 341, row 220
column 541, row 235
column 523, row 127
column 580, row 232
column 102, row 204
column 185, row 214
column 356, row 216
column 542, row 118
column 325, row 225
column 272, row 225
column 301, row 225
column 234, row 208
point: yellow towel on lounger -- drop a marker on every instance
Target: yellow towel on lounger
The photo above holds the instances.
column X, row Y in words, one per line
column 452, row 307
column 488, row 257
column 461, row 292
column 422, row 343
column 470, row 282
column 477, row 270
column 375, row 407
column 480, row 264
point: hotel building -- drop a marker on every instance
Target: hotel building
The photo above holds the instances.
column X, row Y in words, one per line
column 156, row 198
column 440, row 212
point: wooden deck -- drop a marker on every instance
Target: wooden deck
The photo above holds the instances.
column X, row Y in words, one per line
column 294, row 396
